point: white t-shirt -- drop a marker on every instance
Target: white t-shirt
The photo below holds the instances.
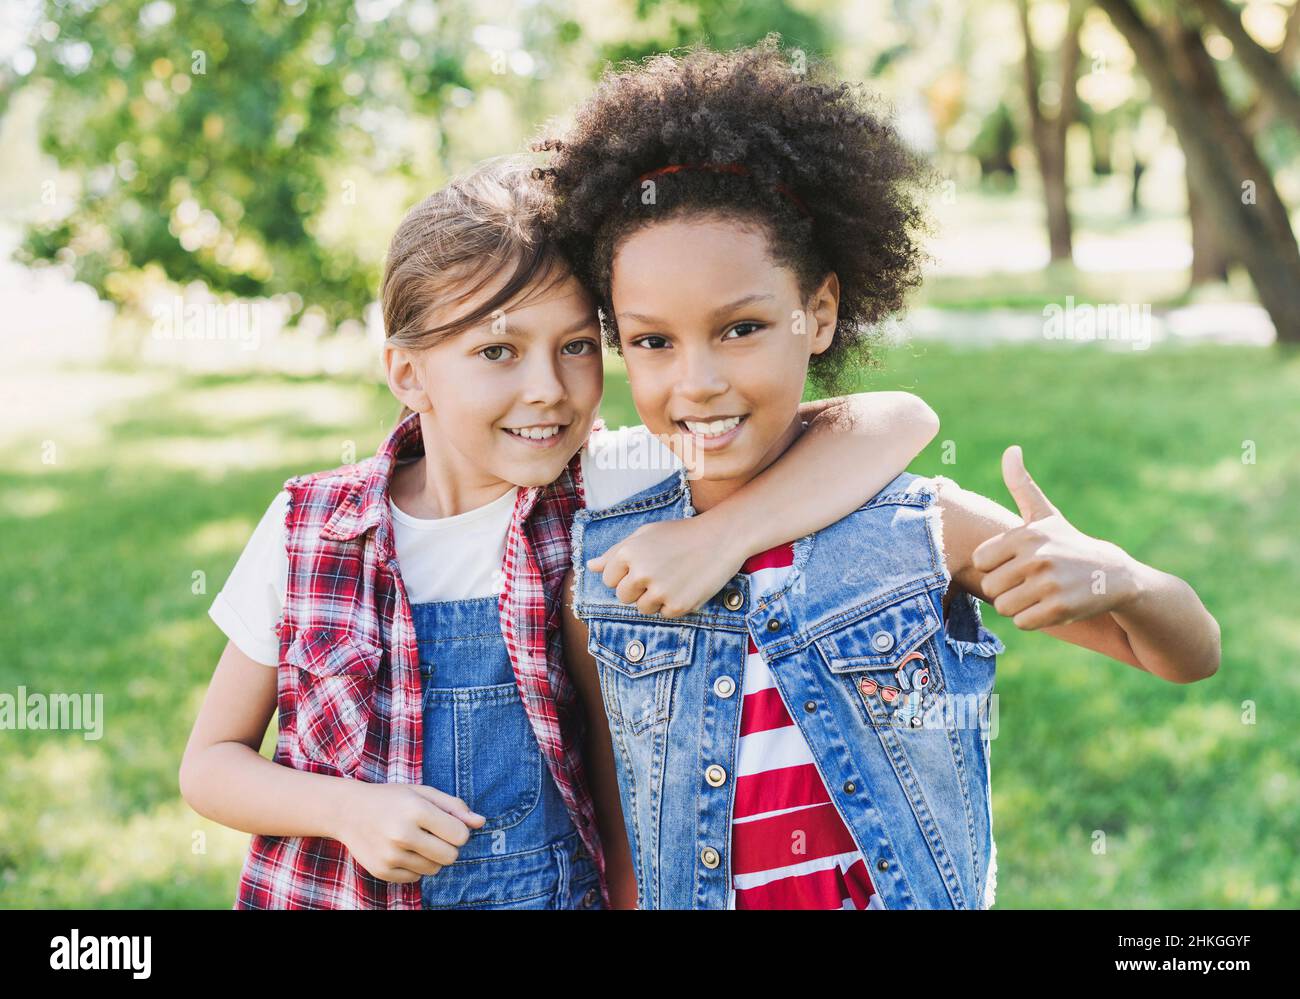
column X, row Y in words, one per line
column 444, row 558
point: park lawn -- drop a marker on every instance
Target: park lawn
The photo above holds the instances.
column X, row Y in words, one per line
column 1112, row 789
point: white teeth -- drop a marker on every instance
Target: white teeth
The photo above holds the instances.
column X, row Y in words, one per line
column 534, row 433
column 713, row 429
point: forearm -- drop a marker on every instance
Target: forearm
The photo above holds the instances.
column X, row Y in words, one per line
column 233, row 784
column 850, row 450
column 1171, row 633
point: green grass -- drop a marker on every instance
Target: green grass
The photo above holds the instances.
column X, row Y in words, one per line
column 1112, row 789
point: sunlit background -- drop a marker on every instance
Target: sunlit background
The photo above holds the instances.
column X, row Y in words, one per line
column 195, row 200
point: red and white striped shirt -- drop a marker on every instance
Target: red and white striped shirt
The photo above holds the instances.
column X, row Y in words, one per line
column 789, row 847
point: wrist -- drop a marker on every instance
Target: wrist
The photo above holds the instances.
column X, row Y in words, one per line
column 726, row 532
column 1140, row 582
column 339, row 806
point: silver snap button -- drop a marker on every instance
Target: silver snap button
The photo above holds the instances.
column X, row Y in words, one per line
column 634, row 651
column 733, row 599
column 724, row 686
column 715, row 775
column 709, row 857
column 882, row 641
column 774, row 625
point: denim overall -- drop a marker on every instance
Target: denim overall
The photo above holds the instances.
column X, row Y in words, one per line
column 892, row 699
column 479, row 746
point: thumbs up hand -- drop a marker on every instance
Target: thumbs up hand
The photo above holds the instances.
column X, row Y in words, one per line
column 1047, row 572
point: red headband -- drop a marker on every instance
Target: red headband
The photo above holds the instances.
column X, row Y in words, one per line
column 736, row 168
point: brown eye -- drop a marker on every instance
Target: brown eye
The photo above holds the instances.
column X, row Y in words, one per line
column 487, row 352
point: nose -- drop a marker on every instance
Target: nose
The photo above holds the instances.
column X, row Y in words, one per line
column 542, row 383
column 700, row 378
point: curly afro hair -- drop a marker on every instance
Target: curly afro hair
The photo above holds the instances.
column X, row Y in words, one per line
column 821, row 170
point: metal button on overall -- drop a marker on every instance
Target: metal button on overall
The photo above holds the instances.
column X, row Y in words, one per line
column 810, row 706
column 724, row 686
column 634, row 651
column 709, row 857
column 774, row 625
column 732, row 599
column 882, row 865
column 715, row 775
column 849, row 787
column 882, row 641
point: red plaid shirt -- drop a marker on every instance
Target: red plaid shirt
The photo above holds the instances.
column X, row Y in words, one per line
column 348, row 687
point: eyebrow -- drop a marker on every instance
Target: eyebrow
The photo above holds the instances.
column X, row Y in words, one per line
column 758, row 296
column 522, row 330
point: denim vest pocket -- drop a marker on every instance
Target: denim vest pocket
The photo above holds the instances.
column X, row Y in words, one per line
column 336, row 684
column 637, row 661
column 889, row 658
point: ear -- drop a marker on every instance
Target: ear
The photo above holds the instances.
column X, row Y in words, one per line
column 824, row 307
column 404, row 379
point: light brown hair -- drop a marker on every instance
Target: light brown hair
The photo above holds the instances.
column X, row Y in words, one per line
column 457, row 240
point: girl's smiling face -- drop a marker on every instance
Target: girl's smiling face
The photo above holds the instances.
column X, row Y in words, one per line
column 717, row 338
column 510, row 400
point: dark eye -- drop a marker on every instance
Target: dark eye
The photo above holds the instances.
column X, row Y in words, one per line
column 749, row 328
column 652, row 341
column 493, row 352
column 584, row 347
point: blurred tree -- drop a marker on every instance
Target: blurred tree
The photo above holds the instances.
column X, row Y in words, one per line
column 721, row 24
column 1264, row 112
column 1234, row 185
column 1048, row 129
column 1276, row 103
column 1276, row 85
column 993, row 143
column 210, row 137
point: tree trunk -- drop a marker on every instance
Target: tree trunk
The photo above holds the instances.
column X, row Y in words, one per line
column 1251, row 232
column 1209, row 262
column 1102, row 135
column 1049, row 133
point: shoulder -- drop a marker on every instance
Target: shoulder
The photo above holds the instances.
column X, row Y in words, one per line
column 596, row 529
column 619, row 464
column 331, row 478
column 267, row 540
column 968, row 520
column 318, row 494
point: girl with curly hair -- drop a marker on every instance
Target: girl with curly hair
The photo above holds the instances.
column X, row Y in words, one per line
column 816, row 734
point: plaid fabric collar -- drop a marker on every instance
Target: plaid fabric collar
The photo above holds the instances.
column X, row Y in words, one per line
column 366, row 508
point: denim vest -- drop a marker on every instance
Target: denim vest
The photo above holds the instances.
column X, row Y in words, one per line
column 480, row 747
column 892, row 699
